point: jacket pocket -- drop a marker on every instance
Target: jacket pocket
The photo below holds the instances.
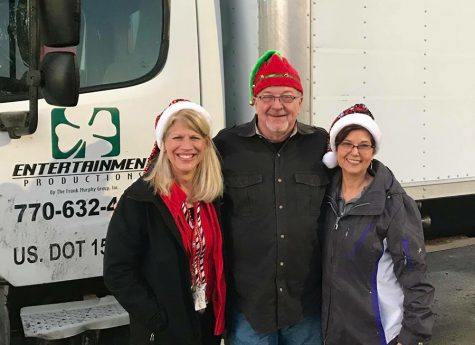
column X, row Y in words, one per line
column 310, row 191
column 142, row 335
column 243, row 193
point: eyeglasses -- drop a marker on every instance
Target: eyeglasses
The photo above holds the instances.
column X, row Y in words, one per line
column 267, row 99
column 347, row 146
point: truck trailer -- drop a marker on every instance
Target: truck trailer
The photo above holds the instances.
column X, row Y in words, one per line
column 81, row 83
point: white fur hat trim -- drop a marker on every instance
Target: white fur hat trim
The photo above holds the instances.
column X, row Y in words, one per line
column 356, row 119
column 364, row 120
column 172, row 109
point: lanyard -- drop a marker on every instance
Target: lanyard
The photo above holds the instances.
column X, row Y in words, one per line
column 198, row 244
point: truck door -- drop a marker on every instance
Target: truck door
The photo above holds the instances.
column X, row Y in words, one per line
column 59, row 186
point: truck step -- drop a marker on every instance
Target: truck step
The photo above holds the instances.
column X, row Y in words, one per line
column 63, row 320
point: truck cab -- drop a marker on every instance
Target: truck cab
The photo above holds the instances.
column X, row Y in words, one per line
column 59, row 181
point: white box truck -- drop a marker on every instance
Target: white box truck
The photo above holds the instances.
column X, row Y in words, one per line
column 64, row 166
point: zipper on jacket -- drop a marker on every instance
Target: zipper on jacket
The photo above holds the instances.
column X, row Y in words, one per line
column 336, row 222
column 349, row 212
column 152, row 337
column 335, row 212
column 358, row 205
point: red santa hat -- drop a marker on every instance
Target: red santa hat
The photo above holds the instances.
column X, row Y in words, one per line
column 360, row 115
column 174, row 107
column 162, row 120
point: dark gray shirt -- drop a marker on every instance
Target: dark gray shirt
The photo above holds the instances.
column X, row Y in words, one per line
column 270, row 223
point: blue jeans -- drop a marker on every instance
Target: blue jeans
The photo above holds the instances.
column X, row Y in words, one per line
column 306, row 332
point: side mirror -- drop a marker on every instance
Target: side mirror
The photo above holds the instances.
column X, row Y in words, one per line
column 60, row 22
column 57, row 23
column 60, row 79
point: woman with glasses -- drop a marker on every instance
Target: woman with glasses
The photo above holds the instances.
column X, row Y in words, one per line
column 375, row 290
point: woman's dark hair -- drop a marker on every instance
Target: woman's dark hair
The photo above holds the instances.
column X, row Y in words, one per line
column 346, row 130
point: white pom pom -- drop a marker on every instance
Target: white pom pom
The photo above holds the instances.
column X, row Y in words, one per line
column 329, row 159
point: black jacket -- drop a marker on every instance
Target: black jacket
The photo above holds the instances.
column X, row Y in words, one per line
column 374, row 267
column 146, row 268
column 271, row 206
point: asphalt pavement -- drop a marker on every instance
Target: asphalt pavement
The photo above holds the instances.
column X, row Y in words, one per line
column 452, row 272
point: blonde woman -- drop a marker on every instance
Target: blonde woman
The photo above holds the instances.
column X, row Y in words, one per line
column 163, row 259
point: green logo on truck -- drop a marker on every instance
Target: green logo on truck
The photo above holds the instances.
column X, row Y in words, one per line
column 70, row 139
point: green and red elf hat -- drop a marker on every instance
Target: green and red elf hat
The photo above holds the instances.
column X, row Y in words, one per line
column 272, row 69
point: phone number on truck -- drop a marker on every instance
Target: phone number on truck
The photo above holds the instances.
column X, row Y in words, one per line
column 69, row 209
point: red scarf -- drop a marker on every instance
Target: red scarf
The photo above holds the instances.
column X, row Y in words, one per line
column 213, row 260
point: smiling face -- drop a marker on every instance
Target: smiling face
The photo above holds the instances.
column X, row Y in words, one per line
column 355, row 162
column 184, row 149
column 275, row 119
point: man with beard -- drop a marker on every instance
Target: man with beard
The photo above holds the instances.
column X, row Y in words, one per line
column 274, row 185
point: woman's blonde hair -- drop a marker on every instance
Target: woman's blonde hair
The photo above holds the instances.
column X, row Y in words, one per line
column 207, row 183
